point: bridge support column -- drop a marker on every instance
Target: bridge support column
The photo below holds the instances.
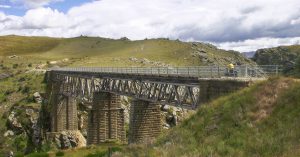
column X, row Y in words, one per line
column 64, row 114
column 106, row 119
column 145, row 121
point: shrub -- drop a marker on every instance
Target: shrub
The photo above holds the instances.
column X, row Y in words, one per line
column 15, row 66
column 18, row 154
column 60, row 153
column 97, row 154
column 26, row 89
column 40, row 154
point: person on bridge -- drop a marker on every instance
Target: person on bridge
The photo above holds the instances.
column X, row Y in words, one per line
column 230, row 68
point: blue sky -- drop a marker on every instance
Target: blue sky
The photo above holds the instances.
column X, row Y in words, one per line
column 15, row 7
column 242, row 25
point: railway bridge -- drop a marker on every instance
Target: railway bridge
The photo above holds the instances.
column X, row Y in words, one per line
column 186, row 87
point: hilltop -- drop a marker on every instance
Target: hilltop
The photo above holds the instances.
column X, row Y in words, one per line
column 96, row 51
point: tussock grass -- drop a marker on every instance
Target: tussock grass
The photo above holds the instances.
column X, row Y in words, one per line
column 226, row 126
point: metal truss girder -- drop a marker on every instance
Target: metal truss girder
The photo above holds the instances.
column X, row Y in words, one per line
column 177, row 94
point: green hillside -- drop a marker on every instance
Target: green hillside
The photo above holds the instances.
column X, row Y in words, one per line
column 95, row 51
column 262, row 120
column 16, row 45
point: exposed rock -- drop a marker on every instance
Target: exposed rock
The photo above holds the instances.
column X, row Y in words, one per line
column 125, row 104
column 166, row 126
column 13, row 123
column 13, row 56
column 53, row 62
column 65, row 60
column 124, row 38
column 37, row 97
column 69, row 139
column 29, row 112
column 40, row 66
column 80, row 122
column 10, row 154
column 165, row 108
column 285, row 56
column 9, row 133
column 64, row 140
column 133, row 59
column 145, row 61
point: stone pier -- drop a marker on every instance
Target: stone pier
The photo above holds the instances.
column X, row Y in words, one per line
column 145, row 122
column 64, row 114
column 106, row 119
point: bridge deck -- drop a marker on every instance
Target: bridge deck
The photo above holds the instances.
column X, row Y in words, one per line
column 239, row 72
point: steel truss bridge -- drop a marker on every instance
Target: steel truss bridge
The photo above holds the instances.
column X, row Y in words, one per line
column 178, row 86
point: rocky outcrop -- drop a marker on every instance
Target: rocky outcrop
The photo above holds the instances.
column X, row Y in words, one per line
column 145, row 61
column 14, row 124
column 172, row 116
column 282, row 55
column 68, row 139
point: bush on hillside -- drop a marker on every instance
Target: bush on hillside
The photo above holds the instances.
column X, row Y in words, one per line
column 60, row 153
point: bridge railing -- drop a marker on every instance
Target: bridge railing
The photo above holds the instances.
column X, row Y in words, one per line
column 196, row 71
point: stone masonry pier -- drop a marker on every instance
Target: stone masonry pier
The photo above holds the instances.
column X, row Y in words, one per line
column 106, row 119
column 63, row 111
column 145, row 122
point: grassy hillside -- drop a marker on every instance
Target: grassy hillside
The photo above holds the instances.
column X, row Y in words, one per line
column 262, row 120
column 16, row 45
column 95, row 51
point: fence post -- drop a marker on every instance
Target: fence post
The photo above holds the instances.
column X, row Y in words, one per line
column 246, row 71
column 276, row 70
column 168, row 71
column 211, row 71
column 219, row 71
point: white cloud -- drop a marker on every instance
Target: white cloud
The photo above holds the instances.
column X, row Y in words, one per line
column 232, row 24
column 5, row 6
column 254, row 44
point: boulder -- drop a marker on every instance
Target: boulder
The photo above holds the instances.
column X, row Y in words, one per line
column 133, row 59
column 69, row 139
column 165, row 108
column 53, row 62
column 9, row 133
column 64, row 140
column 37, row 97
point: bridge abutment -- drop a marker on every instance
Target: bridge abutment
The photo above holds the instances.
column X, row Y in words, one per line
column 145, row 121
column 210, row 89
column 106, row 119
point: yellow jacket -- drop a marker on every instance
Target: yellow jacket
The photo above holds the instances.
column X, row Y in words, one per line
column 230, row 66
